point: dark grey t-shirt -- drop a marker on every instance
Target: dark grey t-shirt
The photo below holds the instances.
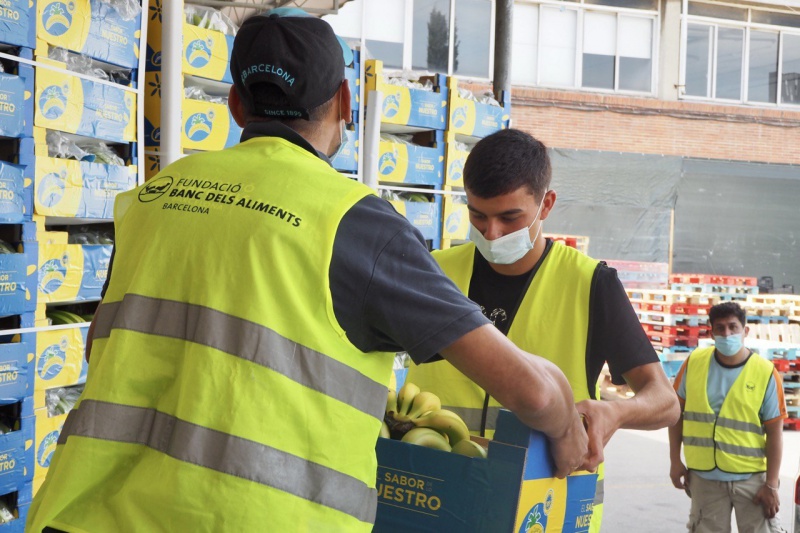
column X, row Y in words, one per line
column 389, row 294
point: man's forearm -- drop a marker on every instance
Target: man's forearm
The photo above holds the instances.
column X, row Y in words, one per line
column 655, row 404
column 774, row 452
column 675, row 440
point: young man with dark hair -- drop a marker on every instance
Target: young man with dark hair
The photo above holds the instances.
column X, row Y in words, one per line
column 731, row 431
column 241, row 386
column 547, row 298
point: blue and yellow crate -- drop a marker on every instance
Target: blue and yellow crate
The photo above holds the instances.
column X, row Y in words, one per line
column 473, row 120
column 17, row 23
column 413, row 164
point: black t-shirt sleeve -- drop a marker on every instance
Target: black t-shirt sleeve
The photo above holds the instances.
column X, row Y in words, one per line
column 389, row 294
column 616, row 335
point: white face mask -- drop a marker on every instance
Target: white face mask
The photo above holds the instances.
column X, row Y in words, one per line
column 342, row 141
column 507, row 249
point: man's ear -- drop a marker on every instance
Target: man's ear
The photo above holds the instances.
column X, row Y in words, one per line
column 345, row 110
column 548, row 203
column 236, row 106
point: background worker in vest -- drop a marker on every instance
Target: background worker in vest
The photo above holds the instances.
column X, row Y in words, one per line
column 242, row 352
column 547, row 298
column 731, row 431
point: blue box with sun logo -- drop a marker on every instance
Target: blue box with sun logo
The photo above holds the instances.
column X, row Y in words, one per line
column 406, row 106
column 408, row 163
column 207, row 53
column 74, row 105
column 346, row 160
column 72, row 272
column 511, row 490
column 472, row 119
column 18, row 280
column 90, row 27
column 17, row 25
column 208, row 126
column 60, row 360
column 16, row 447
column 15, row 193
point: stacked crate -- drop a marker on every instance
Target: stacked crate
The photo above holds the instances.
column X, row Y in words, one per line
column 675, row 322
column 76, row 196
column 468, row 122
column 415, row 170
column 18, row 269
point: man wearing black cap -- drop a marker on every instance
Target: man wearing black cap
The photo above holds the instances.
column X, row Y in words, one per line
column 242, row 352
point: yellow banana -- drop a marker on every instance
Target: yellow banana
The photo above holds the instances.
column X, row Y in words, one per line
column 427, row 437
column 393, row 382
column 469, row 448
column 446, row 422
column 391, row 402
column 405, row 396
column 424, row 402
column 385, row 431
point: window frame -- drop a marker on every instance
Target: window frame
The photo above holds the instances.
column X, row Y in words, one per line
column 582, row 8
column 747, row 26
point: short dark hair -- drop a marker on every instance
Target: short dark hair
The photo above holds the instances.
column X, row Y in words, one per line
column 505, row 161
column 725, row 310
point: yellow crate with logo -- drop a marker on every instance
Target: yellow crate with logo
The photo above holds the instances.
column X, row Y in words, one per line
column 74, row 105
column 208, row 126
column 512, row 490
column 90, row 27
column 406, row 106
column 455, row 219
column 472, row 119
column 46, row 433
column 60, row 358
column 72, row 272
column 207, row 53
column 455, row 157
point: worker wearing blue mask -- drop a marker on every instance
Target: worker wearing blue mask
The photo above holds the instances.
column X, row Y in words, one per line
column 548, row 299
column 732, row 431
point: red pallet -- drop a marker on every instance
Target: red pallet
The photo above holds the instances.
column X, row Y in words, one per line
column 791, row 423
column 667, row 341
column 677, row 331
column 713, row 279
column 785, row 365
column 678, row 309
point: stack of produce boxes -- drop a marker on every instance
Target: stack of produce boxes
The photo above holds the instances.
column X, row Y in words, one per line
column 18, row 260
column 411, row 151
column 674, row 321
column 468, row 121
column 84, row 154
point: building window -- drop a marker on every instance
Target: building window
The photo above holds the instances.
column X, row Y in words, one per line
column 741, row 54
column 442, row 36
column 602, row 45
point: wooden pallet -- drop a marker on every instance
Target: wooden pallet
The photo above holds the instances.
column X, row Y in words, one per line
column 678, row 331
column 663, row 319
column 713, row 279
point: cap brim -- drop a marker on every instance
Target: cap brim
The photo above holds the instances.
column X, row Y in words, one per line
column 347, row 52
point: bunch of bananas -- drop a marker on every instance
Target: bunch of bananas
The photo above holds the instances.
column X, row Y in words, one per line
column 417, row 417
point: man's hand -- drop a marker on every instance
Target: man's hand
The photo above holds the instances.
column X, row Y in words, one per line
column 679, row 475
column 769, row 501
column 602, row 421
column 570, row 449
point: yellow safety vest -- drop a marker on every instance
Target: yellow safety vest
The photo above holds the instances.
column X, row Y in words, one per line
column 552, row 322
column 223, row 395
column 733, row 441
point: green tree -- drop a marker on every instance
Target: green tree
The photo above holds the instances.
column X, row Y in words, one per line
column 438, row 41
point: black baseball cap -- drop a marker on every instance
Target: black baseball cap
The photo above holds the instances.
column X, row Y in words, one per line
column 293, row 51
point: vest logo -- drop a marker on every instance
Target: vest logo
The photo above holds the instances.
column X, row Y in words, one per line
column 51, row 361
column 391, row 106
column 51, row 188
column 456, row 169
column 453, row 222
column 199, row 126
column 57, row 18
column 198, row 53
column 155, row 189
column 460, row 116
column 46, row 448
column 53, row 102
column 52, row 274
column 750, row 386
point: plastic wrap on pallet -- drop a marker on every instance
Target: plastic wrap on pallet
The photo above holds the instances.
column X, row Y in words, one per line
column 622, row 202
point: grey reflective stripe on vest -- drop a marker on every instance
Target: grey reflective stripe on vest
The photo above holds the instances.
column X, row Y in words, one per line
column 694, row 416
column 599, row 493
column 740, row 426
column 223, row 453
column 741, row 450
column 702, row 442
column 472, row 416
column 247, row 340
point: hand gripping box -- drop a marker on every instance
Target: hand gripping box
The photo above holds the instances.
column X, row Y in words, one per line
column 511, row 491
column 90, row 27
